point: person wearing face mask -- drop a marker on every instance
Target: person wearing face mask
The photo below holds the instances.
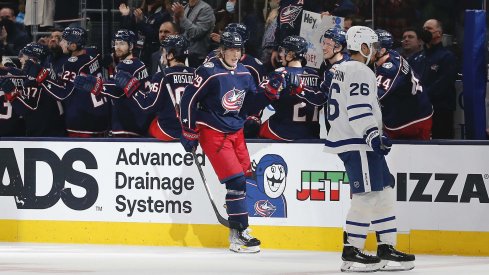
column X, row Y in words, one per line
column 355, row 117
column 437, row 70
column 13, row 36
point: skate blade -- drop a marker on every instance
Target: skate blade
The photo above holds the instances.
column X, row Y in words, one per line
column 359, row 267
column 395, row 266
column 244, row 249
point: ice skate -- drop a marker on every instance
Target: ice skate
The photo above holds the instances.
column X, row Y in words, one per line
column 242, row 242
column 355, row 260
column 393, row 260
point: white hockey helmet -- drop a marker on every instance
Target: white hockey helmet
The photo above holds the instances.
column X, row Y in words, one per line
column 358, row 35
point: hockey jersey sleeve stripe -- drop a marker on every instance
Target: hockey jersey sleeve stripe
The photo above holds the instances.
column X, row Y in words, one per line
column 359, row 116
column 344, row 142
column 359, row 106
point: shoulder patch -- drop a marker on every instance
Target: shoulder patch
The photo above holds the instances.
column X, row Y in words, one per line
column 209, row 65
column 127, row 61
column 387, row 65
column 258, row 61
column 73, row 59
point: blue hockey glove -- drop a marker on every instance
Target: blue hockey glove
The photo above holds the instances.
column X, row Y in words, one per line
column 89, row 84
column 7, row 86
column 380, row 144
column 189, row 139
column 34, row 71
column 274, row 85
column 128, row 83
column 295, row 83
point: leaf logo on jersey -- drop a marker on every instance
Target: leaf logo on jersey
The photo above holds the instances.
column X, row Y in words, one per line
column 233, row 100
column 289, row 14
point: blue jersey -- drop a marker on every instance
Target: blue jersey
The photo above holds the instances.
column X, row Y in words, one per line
column 11, row 124
column 85, row 113
column 128, row 118
column 43, row 115
column 251, row 63
column 225, row 98
column 403, row 101
column 164, row 96
column 295, row 117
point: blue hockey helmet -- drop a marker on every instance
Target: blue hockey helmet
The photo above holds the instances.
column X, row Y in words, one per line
column 239, row 28
column 75, row 35
column 385, row 38
column 176, row 44
column 337, row 35
column 231, row 40
column 126, row 35
column 35, row 50
column 296, row 44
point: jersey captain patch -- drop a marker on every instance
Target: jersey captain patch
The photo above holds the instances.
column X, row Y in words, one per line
column 233, row 100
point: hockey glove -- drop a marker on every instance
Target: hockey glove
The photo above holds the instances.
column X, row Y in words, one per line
column 252, row 127
column 380, row 144
column 128, row 83
column 7, row 86
column 189, row 139
column 89, row 84
column 34, row 71
column 295, row 83
column 274, row 85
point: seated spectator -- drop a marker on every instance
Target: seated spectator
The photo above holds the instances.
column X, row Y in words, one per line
column 13, row 36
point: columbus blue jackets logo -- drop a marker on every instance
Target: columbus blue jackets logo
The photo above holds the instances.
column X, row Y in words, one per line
column 289, row 14
column 233, row 100
column 264, row 192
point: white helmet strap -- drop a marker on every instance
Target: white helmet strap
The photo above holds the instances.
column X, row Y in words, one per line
column 369, row 56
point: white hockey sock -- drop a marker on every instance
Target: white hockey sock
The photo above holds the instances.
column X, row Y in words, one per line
column 383, row 219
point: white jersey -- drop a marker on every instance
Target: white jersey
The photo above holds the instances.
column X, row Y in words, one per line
column 353, row 107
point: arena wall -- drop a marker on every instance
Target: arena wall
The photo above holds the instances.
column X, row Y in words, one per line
column 143, row 192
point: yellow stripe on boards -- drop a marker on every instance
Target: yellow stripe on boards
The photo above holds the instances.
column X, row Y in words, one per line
column 203, row 235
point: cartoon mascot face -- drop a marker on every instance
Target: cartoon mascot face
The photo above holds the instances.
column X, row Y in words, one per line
column 271, row 175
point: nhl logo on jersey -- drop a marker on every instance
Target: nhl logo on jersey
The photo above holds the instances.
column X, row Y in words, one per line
column 73, row 59
column 209, row 65
column 233, row 100
column 127, row 61
column 387, row 65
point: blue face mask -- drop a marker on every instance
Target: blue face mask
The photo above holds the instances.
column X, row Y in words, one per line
column 230, row 7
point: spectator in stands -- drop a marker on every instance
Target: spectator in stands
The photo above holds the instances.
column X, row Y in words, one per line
column 166, row 29
column 224, row 14
column 411, row 43
column 13, row 36
column 437, row 69
column 196, row 20
column 145, row 21
column 268, row 41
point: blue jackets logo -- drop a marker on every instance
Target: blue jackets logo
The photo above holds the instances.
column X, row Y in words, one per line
column 264, row 192
column 233, row 100
column 24, row 189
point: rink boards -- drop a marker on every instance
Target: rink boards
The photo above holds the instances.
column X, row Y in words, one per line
column 150, row 193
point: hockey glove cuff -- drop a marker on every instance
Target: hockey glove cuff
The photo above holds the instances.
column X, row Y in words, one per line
column 274, row 85
column 126, row 82
column 295, row 83
column 380, row 144
column 189, row 139
column 89, row 84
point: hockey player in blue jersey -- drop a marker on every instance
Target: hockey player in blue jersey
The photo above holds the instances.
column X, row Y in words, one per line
column 11, row 124
column 127, row 117
column 86, row 115
column 213, row 110
column 294, row 117
column 356, row 135
column 406, row 108
column 43, row 115
column 166, row 89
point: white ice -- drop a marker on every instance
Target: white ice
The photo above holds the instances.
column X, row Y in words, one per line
column 19, row 258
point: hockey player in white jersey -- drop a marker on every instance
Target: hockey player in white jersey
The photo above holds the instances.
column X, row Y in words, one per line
column 356, row 123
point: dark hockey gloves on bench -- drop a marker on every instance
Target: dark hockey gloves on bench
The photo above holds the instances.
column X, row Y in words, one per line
column 380, row 144
column 89, row 84
column 127, row 82
column 34, row 71
column 189, row 139
column 8, row 87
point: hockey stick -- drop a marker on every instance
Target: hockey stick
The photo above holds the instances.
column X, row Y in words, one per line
column 220, row 218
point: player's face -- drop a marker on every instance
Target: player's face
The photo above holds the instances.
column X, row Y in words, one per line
column 231, row 56
column 164, row 57
column 284, row 56
column 329, row 48
column 54, row 39
column 65, row 45
column 121, row 48
column 23, row 58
